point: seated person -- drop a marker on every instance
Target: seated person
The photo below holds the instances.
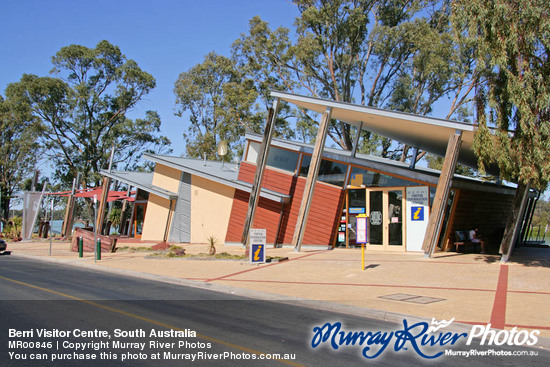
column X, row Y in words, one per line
column 475, row 237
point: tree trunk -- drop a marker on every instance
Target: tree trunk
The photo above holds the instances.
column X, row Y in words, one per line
column 4, row 205
column 514, row 221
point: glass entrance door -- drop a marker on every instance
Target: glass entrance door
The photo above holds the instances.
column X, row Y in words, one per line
column 376, row 215
column 395, row 217
column 385, row 210
column 139, row 216
column 356, row 204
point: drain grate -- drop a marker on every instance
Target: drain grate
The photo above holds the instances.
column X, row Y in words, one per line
column 411, row 298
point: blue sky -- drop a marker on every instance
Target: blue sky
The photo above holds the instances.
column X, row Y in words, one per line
column 165, row 38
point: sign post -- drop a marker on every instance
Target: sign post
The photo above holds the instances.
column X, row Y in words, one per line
column 95, row 227
column 362, row 235
column 257, row 245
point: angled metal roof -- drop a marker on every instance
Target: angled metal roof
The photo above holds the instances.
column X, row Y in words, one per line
column 426, row 133
column 224, row 173
column 141, row 180
column 388, row 166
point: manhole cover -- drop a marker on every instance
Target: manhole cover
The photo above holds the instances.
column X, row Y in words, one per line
column 411, row 298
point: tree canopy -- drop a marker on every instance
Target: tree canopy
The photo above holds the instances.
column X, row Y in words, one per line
column 81, row 110
column 218, row 102
column 393, row 54
column 511, row 39
column 18, row 149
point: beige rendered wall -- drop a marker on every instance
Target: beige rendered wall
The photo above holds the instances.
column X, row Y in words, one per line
column 167, row 178
column 210, row 209
column 158, row 208
column 156, row 215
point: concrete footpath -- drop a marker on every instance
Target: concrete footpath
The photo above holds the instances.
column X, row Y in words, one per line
column 472, row 288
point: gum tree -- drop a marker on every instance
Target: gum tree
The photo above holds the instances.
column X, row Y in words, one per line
column 82, row 110
column 390, row 54
column 512, row 43
column 18, row 150
column 216, row 100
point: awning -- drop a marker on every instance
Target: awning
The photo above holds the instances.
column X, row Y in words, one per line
column 426, row 133
column 97, row 191
column 140, row 180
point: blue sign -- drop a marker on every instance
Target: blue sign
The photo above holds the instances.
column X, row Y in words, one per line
column 257, row 253
column 417, row 213
column 357, row 210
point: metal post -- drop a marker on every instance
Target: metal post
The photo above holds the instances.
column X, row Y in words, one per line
column 51, row 229
column 80, row 242
column 441, row 194
column 95, row 226
column 362, row 256
column 98, row 249
column 356, row 141
column 261, row 163
column 311, row 180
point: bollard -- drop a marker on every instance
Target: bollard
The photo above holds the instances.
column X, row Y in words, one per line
column 98, row 249
column 80, row 241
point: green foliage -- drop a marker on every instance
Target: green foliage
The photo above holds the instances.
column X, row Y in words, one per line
column 392, row 54
column 541, row 215
column 114, row 216
column 18, row 149
column 217, row 101
column 81, row 112
column 13, row 227
column 511, row 39
column 436, row 162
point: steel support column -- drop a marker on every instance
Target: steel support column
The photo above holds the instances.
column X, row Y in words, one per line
column 442, row 194
column 258, row 176
column 313, row 172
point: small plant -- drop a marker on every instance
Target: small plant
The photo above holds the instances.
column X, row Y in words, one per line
column 212, row 245
column 13, row 228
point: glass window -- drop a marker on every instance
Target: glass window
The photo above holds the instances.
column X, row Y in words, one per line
column 282, row 159
column 253, row 151
column 330, row 172
column 277, row 157
column 142, row 195
column 361, row 176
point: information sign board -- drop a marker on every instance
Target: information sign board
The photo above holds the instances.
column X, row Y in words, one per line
column 361, row 229
column 257, row 245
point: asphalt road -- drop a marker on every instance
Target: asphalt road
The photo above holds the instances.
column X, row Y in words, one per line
column 79, row 317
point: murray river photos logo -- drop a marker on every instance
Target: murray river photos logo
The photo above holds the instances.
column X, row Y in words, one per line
column 428, row 341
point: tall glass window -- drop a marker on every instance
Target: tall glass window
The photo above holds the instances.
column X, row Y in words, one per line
column 277, row 158
column 253, row 152
column 282, row 159
column 330, row 172
column 361, row 176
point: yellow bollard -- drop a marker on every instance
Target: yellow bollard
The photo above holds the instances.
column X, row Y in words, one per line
column 363, row 256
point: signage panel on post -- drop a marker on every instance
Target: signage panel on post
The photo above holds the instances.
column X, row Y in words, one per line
column 257, row 245
column 361, row 231
column 362, row 234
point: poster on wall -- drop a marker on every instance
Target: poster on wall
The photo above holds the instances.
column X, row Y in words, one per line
column 418, row 207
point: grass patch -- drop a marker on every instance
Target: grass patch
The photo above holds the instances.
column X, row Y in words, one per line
column 172, row 248
column 201, row 256
column 134, row 249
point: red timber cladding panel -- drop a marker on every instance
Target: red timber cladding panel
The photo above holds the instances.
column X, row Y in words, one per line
column 324, row 212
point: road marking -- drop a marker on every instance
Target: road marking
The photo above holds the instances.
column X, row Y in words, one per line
column 263, row 267
column 498, row 315
column 205, row 337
